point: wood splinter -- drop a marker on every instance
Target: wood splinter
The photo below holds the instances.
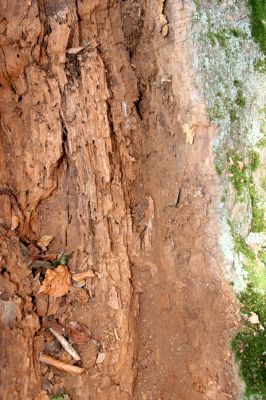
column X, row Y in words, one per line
column 66, row 346
column 61, row 365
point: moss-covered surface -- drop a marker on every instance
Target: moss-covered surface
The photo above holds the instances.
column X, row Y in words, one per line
column 258, row 22
column 231, row 67
column 240, row 174
column 249, row 344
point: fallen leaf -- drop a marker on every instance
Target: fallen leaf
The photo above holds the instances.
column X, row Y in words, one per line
column 14, row 222
column 80, row 276
column 253, row 319
column 57, row 281
column 231, row 162
column 45, row 241
column 78, row 333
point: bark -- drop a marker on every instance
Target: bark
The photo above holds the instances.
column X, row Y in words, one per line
column 67, row 164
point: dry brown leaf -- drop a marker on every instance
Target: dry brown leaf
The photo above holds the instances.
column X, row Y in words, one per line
column 45, row 241
column 80, row 276
column 14, row 222
column 57, row 281
column 78, row 333
column 61, row 365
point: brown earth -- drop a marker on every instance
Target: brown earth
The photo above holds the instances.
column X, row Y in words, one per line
column 108, row 149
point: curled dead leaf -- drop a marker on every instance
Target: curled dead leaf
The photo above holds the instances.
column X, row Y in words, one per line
column 57, row 281
column 78, row 333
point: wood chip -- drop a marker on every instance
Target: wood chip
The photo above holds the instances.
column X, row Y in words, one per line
column 74, row 50
column 44, row 241
column 66, row 346
column 14, row 222
column 61, row 365
column 80, row 276
column 100, row 358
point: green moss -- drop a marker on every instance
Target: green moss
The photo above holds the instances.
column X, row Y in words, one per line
column 263, row 183
column 222, row 36
column 262, row 257
column 215, row 112
column 249, row 343
column 198, row 3
column 254, row 160
column 258, row 220
column 60, row 397
column 260, row 65
column 241, row 246
column 233, row 115
column 258, row 25
column 238, row 176
column 218, row 168
column 243, row 181
column 249, row 347
column 240, row 98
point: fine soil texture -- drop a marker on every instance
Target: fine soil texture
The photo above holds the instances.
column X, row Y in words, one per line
column 107, row 171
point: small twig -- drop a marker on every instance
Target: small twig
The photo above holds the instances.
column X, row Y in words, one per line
column 64, row 343
column 61, row 365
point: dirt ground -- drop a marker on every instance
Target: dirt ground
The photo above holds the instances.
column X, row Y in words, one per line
column 105, row 146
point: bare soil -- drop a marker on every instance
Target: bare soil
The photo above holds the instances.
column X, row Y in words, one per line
column 108, row 149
